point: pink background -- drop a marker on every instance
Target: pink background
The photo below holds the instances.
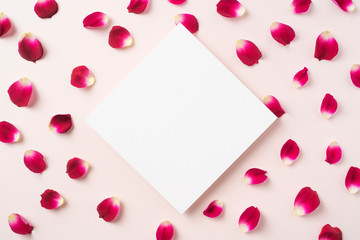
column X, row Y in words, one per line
column 67, row 44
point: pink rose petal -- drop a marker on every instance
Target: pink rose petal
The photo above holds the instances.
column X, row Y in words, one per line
column 95, row 20
column 19, row 224
column 282, row 33
column 34, row 161
column 352, row 180
column 248, row 52
column 355, row 75
column 20, row 92
column 345, row 5
column 189, row 21
column 306, row 201
column 301, row 78
column 249, row 219
column 8, row 133
column 289, row 152
column 82, row 77
column 120, row 37
column 300, row 6
column 46, row 8
column 30, row 47
column 326, row 46
column 330, row 233
column 274, row 105
column 177, row 2
column 255, row 176
column 109, row 208
column 61, row 123
column 230, row 8
column 51, row 199
column 333, row 153
column 5, row 24
column 328, row 106
column 137, row 6
column 165, row 231
column 214, row 209
column 77, row 168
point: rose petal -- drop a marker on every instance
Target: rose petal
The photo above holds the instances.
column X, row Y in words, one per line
column 345, row 5
column 248, row 52
column 255, row 176
column 177, row 2
column 120, row 37
column 19, row 224
column 82, row 77
column 46, row 8
column 328, row 106
column 137, row 6
column 34, row 161
column 30, row 47
column 301, row 78
column 333, row 153
column 214, row 209
column 355, row 75
column 306, row 201
column 51, row 199
column 165, row 231
column 77, row 168
column 8, row 133
column 300, row 6
column 95, row 20
column 274, row 105
column 249, row 219
column 352, row 180
column 5, row 24
column 282, row 33
column 330, row 233
column 109, row 208
column 230, row 8
column 326, row 46
column 61, row 123
column 289, row 152
column 20, row 92
column 189, row 21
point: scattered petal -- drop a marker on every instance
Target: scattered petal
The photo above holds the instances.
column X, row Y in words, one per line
column 8, row 133
column 46, row 8
column 19, row 224
column 137, row 6
column 5, row 24
column 177, row 2
column 326, row 46
column 77, row 168
column 333, row 153
column 255, row 176
column 248, row 52
column 61, row 123
column 30, row 47
column 352, row 180
column 34, row 161
column 301, row 78
column 289, row 152
column 214, row 209
column 51, row 199
column 165, row 231
column 355, row 75
column 249, row 219
column 189, row 21
column 20, row 92
column 282, row 33
column 230, row 8
column 120, row 37
column 306, row 201
column 109, row 208
column 300, row 6
column 328, row 106
column 330, row 233
column 82, row 77
column 274, row 105
column 345, row 5
column 95, row 20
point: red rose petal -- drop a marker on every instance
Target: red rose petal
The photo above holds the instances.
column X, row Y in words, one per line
column 77, row 168
column 300, row 6
column 289, row 152
column 355, row 75
column 30, row 47
column 109, row 208
column 255, row 176
column 95, row 20
column 301, row 78
column 61, row 123
column 249, row 219
column 328, row 106
column 345, row 5
column 34, row 161
column 330, row 233
column 306, row 201
column 8, row 133
column 352, row 180
column 274, row 105
column 5, row 24
column 248, row 52
column 137, row 6
column 82, row 77
column 214, row 209
column 326, row 46
column 230, row 8
column 189, row 21
column 51, row 199
column 282, row 33
column 165, row 231
column 333, row 153
column 120, row 37
column 46, row 8
column 20, row 92
column 177, row 2
column 19, row 224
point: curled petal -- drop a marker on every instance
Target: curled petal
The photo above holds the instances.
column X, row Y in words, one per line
column 19, row 224
column 333, row 153
column 345, row 5
column 352, row 180
column 76, row 168
column 120, row 37
column 230, row 8
column 274, row 105
column 165, row 231
column 177, row 2
column 20, row 92
column 355, row 75
column 326, row 46
column 289, row 152
column 255, row 176
column 330, row 233
column 5, row 24
column 189, row 21
column 282, row 33
column 30, row 48
column 328, row 106
column 34, row 161
column 214, row 209
column 61, row 123
column 300, row 6
column 306, row 201
column 249, row 219
column 248, row 52
column 95, row 20
column 109, row 208
column 8, row 133
column 46, row 8
column 137, row 6
column 51, row 199
column 301, row 78
column 82, row 77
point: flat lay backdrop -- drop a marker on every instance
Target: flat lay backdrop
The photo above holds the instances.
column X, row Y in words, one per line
column 67, row 44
